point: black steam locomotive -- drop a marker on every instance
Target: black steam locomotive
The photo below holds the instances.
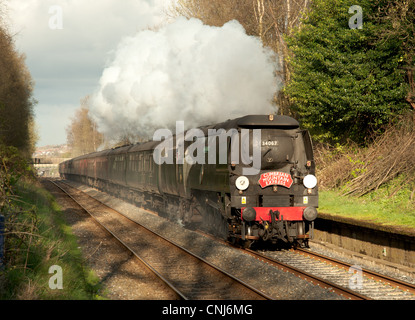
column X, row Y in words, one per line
column 248, row 179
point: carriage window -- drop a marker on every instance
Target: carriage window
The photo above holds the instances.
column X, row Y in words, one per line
column 147, row 163
column 135, row 162
column 140, row 162
column 131, row 164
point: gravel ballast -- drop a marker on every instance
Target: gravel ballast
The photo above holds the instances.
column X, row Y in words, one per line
column 121, row 275
column 271, row 280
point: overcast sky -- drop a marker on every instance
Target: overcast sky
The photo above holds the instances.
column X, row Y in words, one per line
column 67, row 44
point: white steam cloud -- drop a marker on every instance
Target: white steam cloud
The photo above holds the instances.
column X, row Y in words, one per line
column 184, row 71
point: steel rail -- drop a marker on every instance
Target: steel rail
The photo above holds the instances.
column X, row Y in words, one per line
column 160, row 276
column 340, row 290
column 243, row 283
column 365, row 272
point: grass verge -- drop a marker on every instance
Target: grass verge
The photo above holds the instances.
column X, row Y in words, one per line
column 48, row 243
column 385, row 206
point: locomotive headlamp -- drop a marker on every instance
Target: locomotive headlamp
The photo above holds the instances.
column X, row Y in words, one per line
column 310, row 213
column 242, row 183
column 310, row 181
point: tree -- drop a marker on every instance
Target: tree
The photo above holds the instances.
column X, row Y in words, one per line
column 16, row 102
column 345, row 83
column 82, row 135
column 397, row 18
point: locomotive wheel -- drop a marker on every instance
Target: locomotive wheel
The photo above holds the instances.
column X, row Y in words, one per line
column 246, row 244
column 301, row 243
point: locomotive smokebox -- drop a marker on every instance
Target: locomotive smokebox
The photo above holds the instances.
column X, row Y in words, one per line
column 249, row 214
column 276, row 150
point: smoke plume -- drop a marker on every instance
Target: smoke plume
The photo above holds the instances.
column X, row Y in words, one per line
column 184, row 71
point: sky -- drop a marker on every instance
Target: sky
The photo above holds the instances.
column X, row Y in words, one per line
column 67, row 44
column 142, row 68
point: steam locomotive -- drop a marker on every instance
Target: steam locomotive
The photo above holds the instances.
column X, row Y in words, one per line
column 250, row 179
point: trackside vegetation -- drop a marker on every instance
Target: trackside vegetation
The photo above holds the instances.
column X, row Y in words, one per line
column 375, row 183
column 377, row 207
column 36, row 239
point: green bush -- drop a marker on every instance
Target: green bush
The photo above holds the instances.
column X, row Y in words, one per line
column 346, row 83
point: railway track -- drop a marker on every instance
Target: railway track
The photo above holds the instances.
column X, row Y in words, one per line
column 347, row 280
column 308, row 275
column 407, row 288
column 352, row 281
column 333, row 275
column 300, row 272
column 189, row 276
